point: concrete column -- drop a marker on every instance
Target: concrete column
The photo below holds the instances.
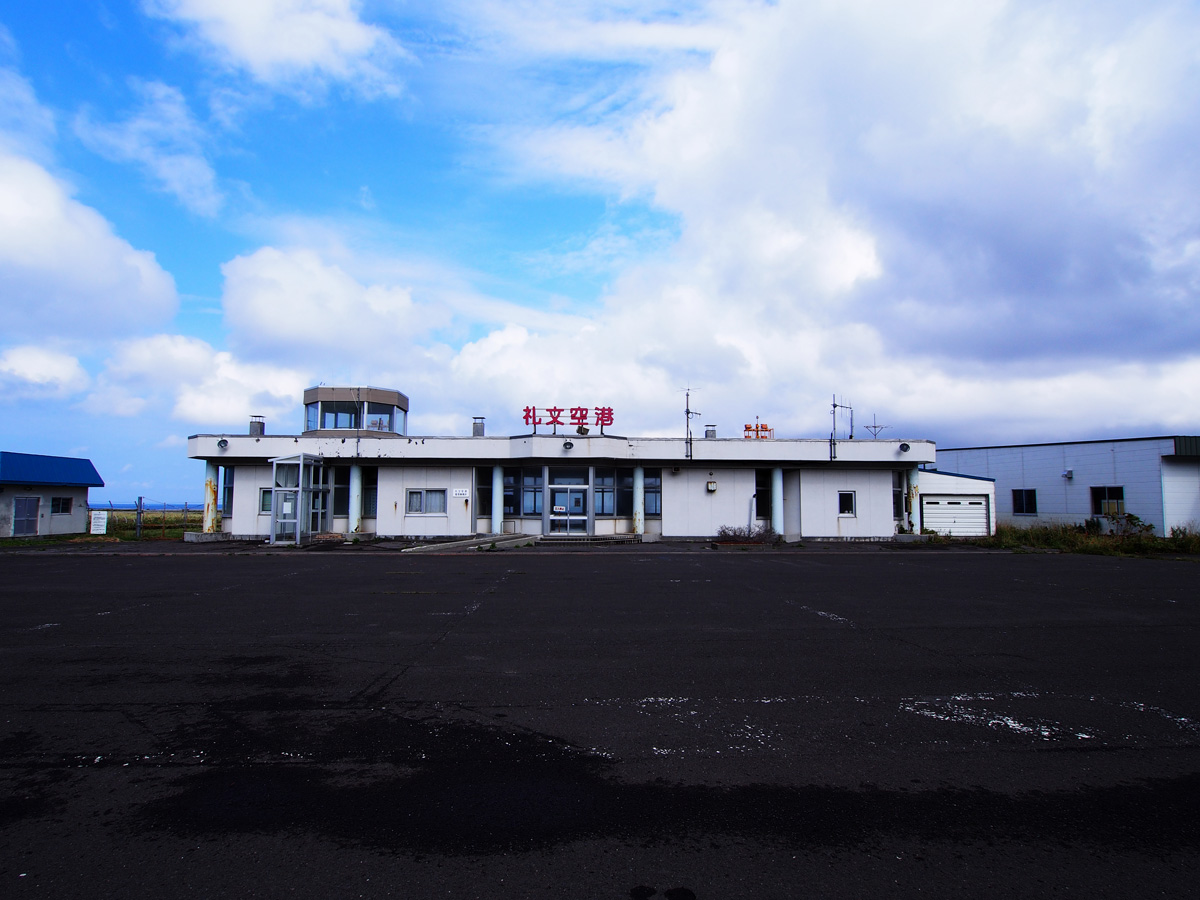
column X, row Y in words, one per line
column 639, row 500
column 355, row 499
column 913, row 497
column 777, row 500
column 211, row 475
column 497, row 499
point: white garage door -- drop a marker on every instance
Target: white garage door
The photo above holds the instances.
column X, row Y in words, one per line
column 960, row 515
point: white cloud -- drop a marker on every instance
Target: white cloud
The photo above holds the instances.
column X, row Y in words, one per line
column 886, row 201
column 293, row 299
column 195, row 381
column 593, row 30
column 165, row 140
column 32, row 370
column 356, row 312
column 964, row 217
column 876, row 201
column 26, row 127
column 291, row 42
column 63, row 271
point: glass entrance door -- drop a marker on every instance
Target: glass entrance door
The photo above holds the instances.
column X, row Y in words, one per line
column 568, row 510
column 286, row 516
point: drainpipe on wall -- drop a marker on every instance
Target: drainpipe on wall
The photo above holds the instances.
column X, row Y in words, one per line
column 210, row 496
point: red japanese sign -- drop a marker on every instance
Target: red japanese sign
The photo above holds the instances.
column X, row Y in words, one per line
column 568, row 416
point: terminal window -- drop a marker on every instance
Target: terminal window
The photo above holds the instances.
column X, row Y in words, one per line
column 427, row 502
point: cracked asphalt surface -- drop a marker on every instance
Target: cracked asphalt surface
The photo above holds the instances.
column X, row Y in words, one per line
column 634, row 724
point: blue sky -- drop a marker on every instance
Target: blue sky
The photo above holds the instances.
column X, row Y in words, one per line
column 977, row 222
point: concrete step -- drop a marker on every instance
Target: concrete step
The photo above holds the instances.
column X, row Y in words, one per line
column 589, row 539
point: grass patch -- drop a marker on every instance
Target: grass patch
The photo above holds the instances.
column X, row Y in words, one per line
column 1129, row 537
column 157, row 525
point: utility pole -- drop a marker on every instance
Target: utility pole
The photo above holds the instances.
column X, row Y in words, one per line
column 688, row 415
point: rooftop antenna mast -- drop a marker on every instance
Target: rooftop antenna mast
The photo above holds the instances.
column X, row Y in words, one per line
column 875, row 427
column 833, row 412
column 688, row 415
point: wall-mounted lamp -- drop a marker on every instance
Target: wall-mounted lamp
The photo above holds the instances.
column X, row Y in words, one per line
column 222, row 444
column 712, row 487
column 1068, row 474
column 567, row 445
column 904, row 448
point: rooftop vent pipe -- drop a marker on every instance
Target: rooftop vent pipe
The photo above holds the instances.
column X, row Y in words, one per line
column 710, row 432
column 258, row 426
column 477, row 426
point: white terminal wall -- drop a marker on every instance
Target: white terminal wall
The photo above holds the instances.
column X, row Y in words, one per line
column 248, row 481
column 690, row 510
column 395, row 483
column 819, row 492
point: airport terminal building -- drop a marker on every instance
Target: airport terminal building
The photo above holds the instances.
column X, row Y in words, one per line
column 354, row 470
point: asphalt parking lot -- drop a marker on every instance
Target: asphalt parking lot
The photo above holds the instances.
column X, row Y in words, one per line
column 635, row 724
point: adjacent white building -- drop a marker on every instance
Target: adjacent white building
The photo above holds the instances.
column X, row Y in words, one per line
column 1154, row 478
column 355, row 470
column 955, row 505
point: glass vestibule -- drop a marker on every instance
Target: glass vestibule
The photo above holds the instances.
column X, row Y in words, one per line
column 299, row 499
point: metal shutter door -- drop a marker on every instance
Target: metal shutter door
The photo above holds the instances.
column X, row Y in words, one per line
column 961, row 516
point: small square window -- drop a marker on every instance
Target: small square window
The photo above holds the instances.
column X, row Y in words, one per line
column 1024, row 502
column 264, row 500
column 846, row 503
column 60, row 505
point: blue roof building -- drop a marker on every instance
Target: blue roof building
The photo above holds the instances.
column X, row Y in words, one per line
column 33, row 468
column 41, row 495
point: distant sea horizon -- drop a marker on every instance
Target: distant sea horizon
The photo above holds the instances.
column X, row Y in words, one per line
column 147, row 505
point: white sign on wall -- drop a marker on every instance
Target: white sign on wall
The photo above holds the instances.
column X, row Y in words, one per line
column 99, row 521
column 461, row 492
